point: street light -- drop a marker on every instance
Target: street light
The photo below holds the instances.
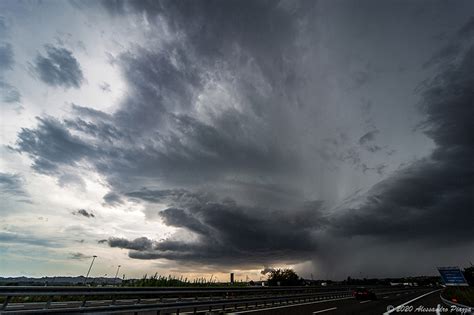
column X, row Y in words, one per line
column 90, row 267
column 116, row 274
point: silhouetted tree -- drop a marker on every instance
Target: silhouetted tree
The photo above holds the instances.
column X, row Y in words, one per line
column 283, row 277
column 469, row 275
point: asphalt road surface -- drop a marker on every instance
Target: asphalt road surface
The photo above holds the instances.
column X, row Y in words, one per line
column 419, row 302
column 411, row 301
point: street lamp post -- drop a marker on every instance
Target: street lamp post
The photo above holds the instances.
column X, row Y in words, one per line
column 90, row 267
column 116, row 274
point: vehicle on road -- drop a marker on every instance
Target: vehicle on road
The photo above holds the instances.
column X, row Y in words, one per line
column 363, row 294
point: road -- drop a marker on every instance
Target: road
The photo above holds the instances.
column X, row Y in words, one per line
column 419, row 302
column 391, row 302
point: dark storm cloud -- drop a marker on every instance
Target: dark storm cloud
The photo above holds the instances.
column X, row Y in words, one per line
column 455, row 46
column 156, row 134
column 51, row 145
column 360, row 78
column 366, row 141
column 265, row 31
column 467, row 31
column 161, row 136
column 9, row 93
column 6, row 56
column 429, row 201
column 446, row 53
column 84, row 212
column 230, row 148
column 423, row 202
column 90, row 112
column 193, row 150
column 12, row 184
column 95, row 123
column 369, row 136
column 212, row 26
column 432, row 199
column 228, row 233
column 231, row 36
column 3, row 27
column 161, row 196
column 100, row 130
column 112, row 199
column 168, row 83
column 181, row 218
column 379, row 168
column 58, row 68
column 139, row 244
column 335, row 150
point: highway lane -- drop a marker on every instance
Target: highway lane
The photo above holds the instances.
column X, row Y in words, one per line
column 428, row 304
column 346, row 306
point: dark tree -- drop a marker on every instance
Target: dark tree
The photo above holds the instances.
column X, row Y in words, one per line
column 469, row 275
column 283, row 277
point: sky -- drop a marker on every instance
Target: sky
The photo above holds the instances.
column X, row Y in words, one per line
column 204, row 137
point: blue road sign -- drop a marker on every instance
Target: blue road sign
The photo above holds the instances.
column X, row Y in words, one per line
column 452, row 276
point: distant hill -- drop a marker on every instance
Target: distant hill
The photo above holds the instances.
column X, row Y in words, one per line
column 59, row 280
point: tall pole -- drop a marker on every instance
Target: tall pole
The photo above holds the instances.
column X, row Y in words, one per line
column 116, row 274
column 90, row 267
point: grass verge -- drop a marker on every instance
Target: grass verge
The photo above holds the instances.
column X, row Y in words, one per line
column 461, row 295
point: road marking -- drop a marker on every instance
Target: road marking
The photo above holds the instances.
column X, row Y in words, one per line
column 401, row 305
column 385, row 297
column 326, row 310
column 364, row 302
column 293, row 305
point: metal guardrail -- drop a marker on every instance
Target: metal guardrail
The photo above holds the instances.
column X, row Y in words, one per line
column 211, row 305
column 200, row 297
column 86, row 290
column 27, row 290
column 175, row 299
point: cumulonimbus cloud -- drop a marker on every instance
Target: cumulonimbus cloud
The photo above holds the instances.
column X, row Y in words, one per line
column 176, row 132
